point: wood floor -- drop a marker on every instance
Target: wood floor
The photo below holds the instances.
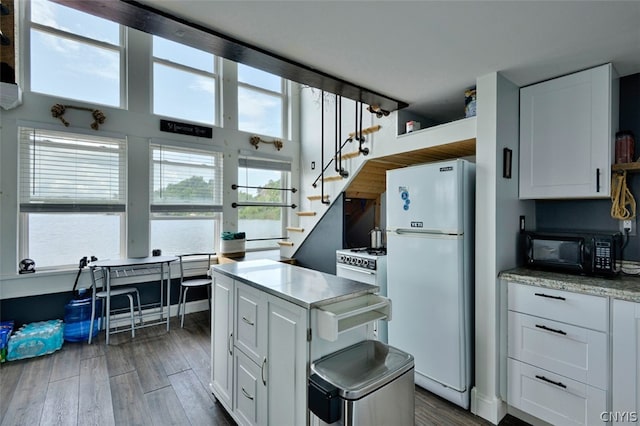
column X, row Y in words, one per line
column 158, row 378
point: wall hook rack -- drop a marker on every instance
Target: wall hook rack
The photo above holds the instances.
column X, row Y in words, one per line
column 58, row 110
column 255, row 140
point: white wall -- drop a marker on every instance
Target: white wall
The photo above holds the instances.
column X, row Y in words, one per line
column 139, row 126
column 497, row 228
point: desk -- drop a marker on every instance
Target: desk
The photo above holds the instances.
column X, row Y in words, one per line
column 128, row 267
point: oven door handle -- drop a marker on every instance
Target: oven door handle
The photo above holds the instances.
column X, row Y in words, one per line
column 360, row 270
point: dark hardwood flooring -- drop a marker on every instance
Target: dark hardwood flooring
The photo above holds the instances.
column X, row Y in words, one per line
column 157, row 378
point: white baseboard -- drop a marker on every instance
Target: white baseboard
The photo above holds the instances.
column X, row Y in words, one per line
column 490, row 408
column 153, row 314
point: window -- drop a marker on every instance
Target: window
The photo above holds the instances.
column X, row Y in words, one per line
column 186, row 199
column 72, row 196
column 184, row 82
column 261, row 102
column 75, row 55
column 264, row 224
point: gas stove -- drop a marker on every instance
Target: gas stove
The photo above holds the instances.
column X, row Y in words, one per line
column 369, row 266
column 363, row 257
column 375, row 251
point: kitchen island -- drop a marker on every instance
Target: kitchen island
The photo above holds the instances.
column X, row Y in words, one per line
column 269, row 321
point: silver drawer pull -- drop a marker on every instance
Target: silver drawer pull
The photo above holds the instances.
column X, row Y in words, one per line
column 560, row 384
column 247, row 321
column 230, row 344
column 264, row 363
column 246, row 394
column 544, row 327
column 550, row 296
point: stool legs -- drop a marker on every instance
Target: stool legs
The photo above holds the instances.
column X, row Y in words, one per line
column 184, row 306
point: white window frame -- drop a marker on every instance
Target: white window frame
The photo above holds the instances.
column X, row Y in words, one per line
column 26, row 47
column 171, row 64
column 251, row 161
column 159, row 208
column 283, row 94
column 74, row 207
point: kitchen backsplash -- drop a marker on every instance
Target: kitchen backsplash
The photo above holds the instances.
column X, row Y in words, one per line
column 595, row 214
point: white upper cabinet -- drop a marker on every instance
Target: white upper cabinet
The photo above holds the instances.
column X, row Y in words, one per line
column 567, row 129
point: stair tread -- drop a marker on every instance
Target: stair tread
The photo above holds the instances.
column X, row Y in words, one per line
column 306, row 213
column 331, row 178
column 316, row 197
column 285, row 243
column 295, row 229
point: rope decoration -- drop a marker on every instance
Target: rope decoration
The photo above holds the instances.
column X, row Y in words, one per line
column 58, row 110
column 620, row 197
column 255, row 140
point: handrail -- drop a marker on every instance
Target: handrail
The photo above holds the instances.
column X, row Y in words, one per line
column 235, row 186
column 315, row 182
column 267, row 239
column 258, row 204
column 322, row 151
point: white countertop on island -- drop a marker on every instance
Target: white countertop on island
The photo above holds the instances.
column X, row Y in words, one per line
column 304, row 287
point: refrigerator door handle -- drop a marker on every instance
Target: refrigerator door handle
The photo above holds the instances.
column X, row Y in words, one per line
column 405, row 231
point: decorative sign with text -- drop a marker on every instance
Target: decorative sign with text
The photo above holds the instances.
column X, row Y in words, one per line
column 186, row 129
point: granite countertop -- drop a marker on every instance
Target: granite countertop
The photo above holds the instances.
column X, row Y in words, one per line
column 304, row 287
column 625, row 287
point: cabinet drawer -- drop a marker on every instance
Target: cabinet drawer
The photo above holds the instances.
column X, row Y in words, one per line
column 554, row 398
column 583, row 310
column 250, row 322
column 250, row 392
column 574, row 352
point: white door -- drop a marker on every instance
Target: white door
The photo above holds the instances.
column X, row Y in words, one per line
column 425, row 285
column 427, row 197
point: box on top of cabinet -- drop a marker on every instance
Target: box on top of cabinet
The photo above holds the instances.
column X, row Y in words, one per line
column 567, row 135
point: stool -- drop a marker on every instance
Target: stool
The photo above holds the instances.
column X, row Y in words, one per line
column 126, row 291
column 197, row 269
column 97, row 275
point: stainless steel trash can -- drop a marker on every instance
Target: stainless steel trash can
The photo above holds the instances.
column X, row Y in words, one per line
column 367, row 384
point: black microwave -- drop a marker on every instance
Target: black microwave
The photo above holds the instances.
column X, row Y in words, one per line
column 582, row 253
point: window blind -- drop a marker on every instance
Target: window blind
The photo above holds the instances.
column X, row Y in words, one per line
column 185, row 179
column 265, row 164
column 69, row 172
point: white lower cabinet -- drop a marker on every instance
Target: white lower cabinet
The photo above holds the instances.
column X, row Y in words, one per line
column 250, row 393
column 554, row 398
column 626, row 362
column 558, row 354
column 259, row 355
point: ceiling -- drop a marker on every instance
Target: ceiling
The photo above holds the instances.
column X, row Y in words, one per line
column 426, row 53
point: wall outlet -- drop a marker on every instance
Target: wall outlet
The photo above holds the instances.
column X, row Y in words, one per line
column 630, row 225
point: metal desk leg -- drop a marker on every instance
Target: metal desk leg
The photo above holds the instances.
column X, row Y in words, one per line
column 107, row 272
column 168, row 292
column 93, row 304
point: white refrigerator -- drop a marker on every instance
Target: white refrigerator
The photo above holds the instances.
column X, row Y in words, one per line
column 430, row 272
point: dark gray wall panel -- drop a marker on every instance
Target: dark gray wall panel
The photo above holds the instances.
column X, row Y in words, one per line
column 318, row 251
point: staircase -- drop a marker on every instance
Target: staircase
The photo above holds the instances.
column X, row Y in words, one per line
column 315, row 203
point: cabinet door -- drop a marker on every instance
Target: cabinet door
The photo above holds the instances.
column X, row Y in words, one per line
column 250, row 321
column 566, row 136
column 626, row 359
column 250, row 392
column 554, row 398
column 574, row 352
column 286, row 363
column 222, row 339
